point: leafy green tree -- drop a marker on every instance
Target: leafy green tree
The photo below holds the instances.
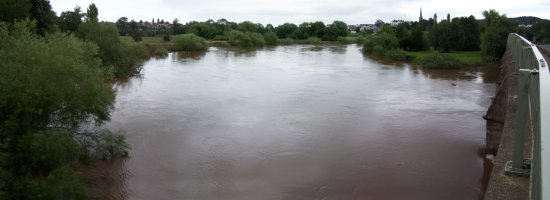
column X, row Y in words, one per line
column 70, row 20
column 205, row 30
column 10, row 10
column 418, row 40
column 269, row 27
column 381, row 43
column 285, row 30
column 403, row 35
column 317, row 29
column 123, row 26
column 447, row 36
column 92, row 13
column 248, row 26
column 335, row 30
column 494, row 38
column 177, row 28
column 472, row 33
column 123, row 59
column 42, row 12
column 271, row 38
column 50, row 86
column 134, row 31
column 302, row 32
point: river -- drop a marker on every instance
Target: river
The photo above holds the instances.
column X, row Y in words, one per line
column 301, row 122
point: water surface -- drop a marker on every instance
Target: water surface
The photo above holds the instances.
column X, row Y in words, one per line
column 301, row 122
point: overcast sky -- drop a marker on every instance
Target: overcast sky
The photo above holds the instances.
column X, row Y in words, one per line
column 296, row 11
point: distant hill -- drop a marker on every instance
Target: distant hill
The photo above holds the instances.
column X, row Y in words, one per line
column 527, row 20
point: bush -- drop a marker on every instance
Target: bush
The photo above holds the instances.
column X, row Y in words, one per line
column 220, row 37
column 166, row 38
column 439, row 61
column 286, row 41
column 160, row 52
column 396, row 54
column 385, row 40
column 124, row 59
column 245, row 39
column 361, row 39
column 102, row 145
column 46, row 151
column 189, row 42
column 311, row 40
column 271, row 38
column 347, row 40
column 130, row 64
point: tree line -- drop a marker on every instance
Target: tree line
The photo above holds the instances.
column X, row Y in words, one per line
column 221, row 29
column 457, row 34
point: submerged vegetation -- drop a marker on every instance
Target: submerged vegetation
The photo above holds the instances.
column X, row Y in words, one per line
column 188, row 42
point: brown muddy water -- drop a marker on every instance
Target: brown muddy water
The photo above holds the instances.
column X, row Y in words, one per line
column 300, row 122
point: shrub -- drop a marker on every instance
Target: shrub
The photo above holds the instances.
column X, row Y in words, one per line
column 271, row 38
column 286, row 41
column 396, row 54
column 189, row 42
column 102, row 145
column 347, row 40
column 310, row 40
column 245, row 39
column 160, row 52
column 130, row 58
column 125, row 59
column 220, row 37
column 166, row 38
column 439, row 61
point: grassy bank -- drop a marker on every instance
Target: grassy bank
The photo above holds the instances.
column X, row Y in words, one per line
column 467, row 57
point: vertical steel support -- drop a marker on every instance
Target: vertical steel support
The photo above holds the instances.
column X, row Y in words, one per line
column 519, row 166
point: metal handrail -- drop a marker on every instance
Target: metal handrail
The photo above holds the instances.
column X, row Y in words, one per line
column 533, row 111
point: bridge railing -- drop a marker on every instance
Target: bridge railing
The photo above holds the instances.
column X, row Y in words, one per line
column 533, row 116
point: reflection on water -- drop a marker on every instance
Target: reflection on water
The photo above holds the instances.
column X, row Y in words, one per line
column 301, row 122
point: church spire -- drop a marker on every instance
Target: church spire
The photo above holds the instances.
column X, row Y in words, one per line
column 420, row 18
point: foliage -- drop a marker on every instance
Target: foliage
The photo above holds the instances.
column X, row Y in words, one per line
column 286, row 41
column 62, row 183
column 446, row 36
column 380, row 43
column 11, row 10
column 189, row 42
column 472, row 33
column 285, row 30
column 335, row 30
column 396, row 54
column 92, row 13
column 494, row 38
column 418, row 41
column 123, row 26
column 41, row 11
column 134, row 31
column 271, row 38
column 166, row 38
column 311, row 40
column 102, row 145
column 70, row 20
column 439, row 61
column 50, row 85
column 125, row 59
column 246, row 39
column 347, row 40
column 159, row 52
